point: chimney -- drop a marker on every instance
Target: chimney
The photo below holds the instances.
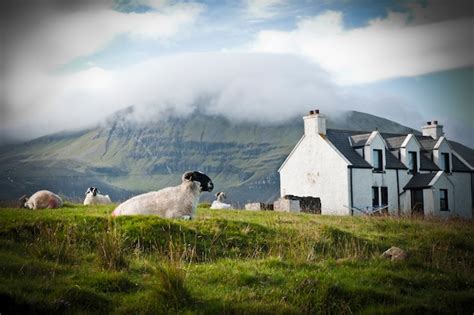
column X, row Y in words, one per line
column 314, row 123
column 433, row 130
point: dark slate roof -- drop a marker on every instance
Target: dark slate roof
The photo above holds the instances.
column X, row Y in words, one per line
column 360, row 140
column 340, row 139
column 426, row 164
column 459, row 166
column 427, row 143
column 392, row 162
column 420, row 181
column 466, row 153
column 395, row 142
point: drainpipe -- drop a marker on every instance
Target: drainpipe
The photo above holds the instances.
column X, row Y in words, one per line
column 351, row 197
column 398, row 194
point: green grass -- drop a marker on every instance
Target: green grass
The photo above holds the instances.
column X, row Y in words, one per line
column 80, row 260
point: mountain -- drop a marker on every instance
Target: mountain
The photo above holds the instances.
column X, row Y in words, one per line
column 124, row 157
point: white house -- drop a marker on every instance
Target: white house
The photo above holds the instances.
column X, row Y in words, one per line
column 357, row 171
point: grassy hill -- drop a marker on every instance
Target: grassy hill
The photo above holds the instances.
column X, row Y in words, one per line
column 80, row 260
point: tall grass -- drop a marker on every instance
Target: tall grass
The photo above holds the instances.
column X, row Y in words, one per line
column 55, row 243
column 232, row 262
column 111, row 250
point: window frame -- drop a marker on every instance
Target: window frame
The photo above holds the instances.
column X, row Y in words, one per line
column 375, row 197
column 413, row 158
column 446, row 161
column 383, row 191
column 378, row 153
column 445, row 199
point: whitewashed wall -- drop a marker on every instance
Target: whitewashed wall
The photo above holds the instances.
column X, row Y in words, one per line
column 431, row 198
column 462, row 194
column 442, row 147
column 410, row 146
column 361, row 188
column 316, row 169
column 375, row 142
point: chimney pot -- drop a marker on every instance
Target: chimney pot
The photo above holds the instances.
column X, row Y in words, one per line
column 433, row 130
column 314, row 123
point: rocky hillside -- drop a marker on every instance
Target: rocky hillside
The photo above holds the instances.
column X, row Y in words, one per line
column 123, row 157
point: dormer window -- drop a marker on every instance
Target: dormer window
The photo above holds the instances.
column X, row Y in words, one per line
column 445, row 162
column 377, row 160
column 412, row 162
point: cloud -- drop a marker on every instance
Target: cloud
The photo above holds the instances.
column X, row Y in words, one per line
column 283, row 75
column 262, row 9
column 55, row 38
column 258, row 87
column 44, row 36
column 384, row 49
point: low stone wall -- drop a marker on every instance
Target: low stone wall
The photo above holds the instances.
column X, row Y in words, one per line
column 307, row 204
column 287, row 205
column 256, row 206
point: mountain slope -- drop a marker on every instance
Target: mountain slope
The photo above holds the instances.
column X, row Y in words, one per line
column 123, row 157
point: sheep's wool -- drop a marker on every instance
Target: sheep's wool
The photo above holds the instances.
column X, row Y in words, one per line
column 171, row 202
column 44, row 199
column 97, row 199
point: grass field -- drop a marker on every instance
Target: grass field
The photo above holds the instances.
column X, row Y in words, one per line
column 80, row 260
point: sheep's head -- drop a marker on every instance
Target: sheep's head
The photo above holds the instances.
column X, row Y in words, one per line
column 22, row 200
column 221, row 195
column 92, row 190
column 201, row 178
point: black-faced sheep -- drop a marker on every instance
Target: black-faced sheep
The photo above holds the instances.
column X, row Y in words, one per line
column 43, row 199
column 219, row 203
column 171, row 202
column 94, row 198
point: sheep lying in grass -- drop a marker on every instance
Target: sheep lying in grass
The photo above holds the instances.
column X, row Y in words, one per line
column 43, row 199
column 219, row 203
column 171, row 202
column 94, row 198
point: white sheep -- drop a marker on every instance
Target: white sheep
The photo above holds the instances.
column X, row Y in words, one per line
column 94, row 198
column 171, row 202
column 219, row 203
column 43, row 199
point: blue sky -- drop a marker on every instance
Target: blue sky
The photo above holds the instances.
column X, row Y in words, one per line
column 410, row 61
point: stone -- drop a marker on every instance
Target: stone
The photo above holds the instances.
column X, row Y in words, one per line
column 395, row 254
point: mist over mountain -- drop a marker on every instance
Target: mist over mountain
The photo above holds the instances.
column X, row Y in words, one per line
column 124, row 156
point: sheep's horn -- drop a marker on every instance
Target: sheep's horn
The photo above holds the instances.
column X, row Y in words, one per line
column 187, row 176
column 22, row 197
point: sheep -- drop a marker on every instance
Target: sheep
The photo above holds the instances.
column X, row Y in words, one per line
column 219, row 203
column 43, row 199
column 171, row 202
column 94, row 198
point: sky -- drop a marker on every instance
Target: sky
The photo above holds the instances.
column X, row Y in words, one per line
column 70, row 64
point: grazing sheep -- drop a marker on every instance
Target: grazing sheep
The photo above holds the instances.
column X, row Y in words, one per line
column 43, row 199
column 219, row 203
column 94, row 198
column 171, row 202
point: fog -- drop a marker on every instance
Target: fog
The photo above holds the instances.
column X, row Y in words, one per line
column 269, row 77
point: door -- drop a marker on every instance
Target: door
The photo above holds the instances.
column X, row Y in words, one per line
column 417, row 202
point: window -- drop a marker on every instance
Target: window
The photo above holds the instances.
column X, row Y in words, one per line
column 412, row 162
column 375, row 197
column 384, row 193
column 444, row 161
column 377, row 160
column 443, row 200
